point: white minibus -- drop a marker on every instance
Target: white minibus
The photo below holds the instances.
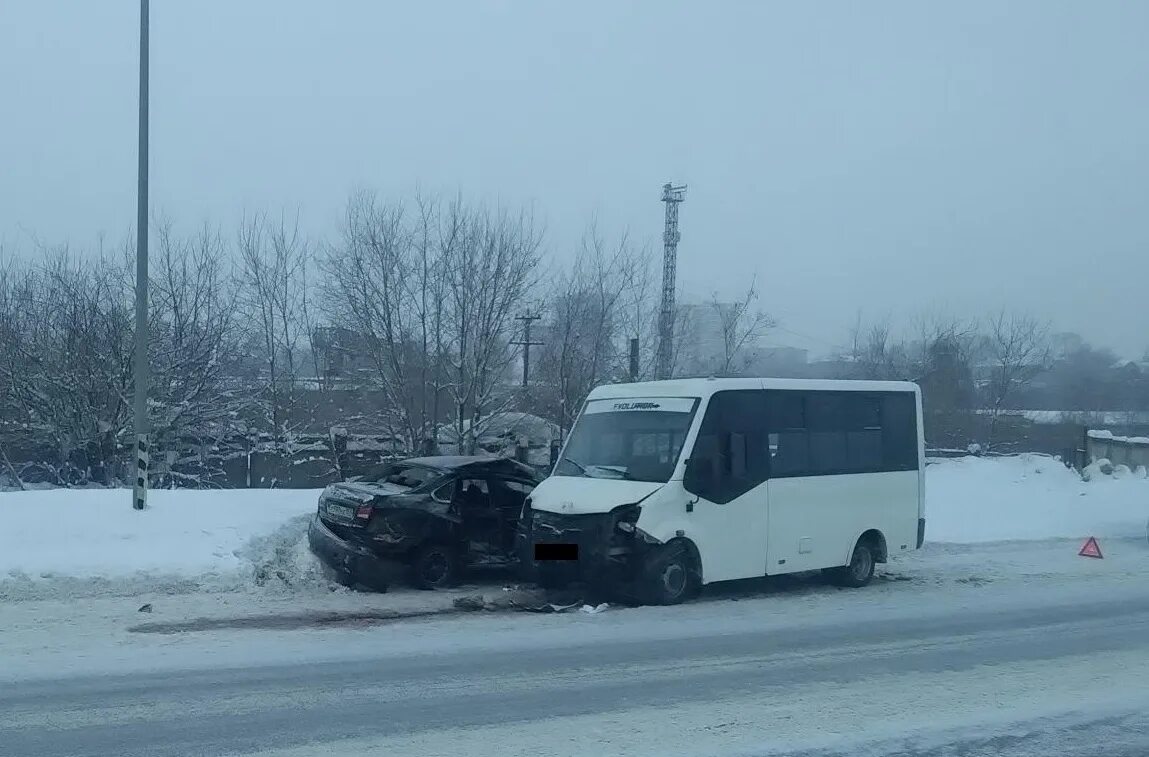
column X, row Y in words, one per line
column 665, row 486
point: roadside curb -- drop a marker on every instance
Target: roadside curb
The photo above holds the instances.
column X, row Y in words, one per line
column 499, row 601
column 287, row 621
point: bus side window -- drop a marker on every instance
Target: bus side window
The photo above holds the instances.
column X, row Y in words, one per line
column 899, row 432
column 789, row 442
column 863, row 433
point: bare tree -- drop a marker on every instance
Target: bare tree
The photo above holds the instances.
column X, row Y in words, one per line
column 194, row 348
column 65, row 348
column 587, row 321
column 273, row 292
column 741, row 326
column 875, row 355
column 386, row 287
column 1018, row 348
column 488, row 273
column 433, row 241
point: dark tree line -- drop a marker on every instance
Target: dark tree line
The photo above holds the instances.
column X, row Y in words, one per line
column 415, row 302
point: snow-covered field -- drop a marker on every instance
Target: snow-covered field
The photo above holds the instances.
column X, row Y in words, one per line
column 70, row 543
column 1030, row 497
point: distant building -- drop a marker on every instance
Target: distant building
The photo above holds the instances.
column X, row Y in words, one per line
column 341, row 355
column 702, row 341
column 779, row 362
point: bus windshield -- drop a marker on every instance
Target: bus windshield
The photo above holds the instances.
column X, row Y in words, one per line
column 632, row 439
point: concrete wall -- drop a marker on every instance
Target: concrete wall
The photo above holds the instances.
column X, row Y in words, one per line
column 1119, row 450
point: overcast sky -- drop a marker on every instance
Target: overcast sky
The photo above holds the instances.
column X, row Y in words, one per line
column 883, row 156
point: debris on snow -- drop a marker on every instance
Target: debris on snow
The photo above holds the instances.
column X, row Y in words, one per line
column 471, row 603
column 587, row 609
column 1100, row 467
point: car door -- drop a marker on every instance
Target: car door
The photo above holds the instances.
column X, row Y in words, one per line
column 727, row 475
column 476, row 511
column 508, row 495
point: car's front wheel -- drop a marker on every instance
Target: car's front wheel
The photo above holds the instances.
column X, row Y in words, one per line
column 435, row 566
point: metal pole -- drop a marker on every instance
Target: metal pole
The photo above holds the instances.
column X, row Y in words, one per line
column 526, row 352
column 526, row 343
column 672, row 196
column 140, row 493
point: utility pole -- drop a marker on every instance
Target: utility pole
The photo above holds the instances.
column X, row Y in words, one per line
column 672, row 196
column 634, row 359
column 140, row 493
column 526, row 343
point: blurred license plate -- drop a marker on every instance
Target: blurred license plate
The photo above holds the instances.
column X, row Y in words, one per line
column 341, row 511
column 545, row 551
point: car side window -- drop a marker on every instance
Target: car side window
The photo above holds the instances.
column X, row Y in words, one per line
column 473, row 494
column 445, row 493
column 509, row 493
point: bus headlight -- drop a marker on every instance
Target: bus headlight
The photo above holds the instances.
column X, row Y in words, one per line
column 626, row 517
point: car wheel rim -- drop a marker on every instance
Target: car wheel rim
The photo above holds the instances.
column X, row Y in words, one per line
column 862, row 563
column 674, row 579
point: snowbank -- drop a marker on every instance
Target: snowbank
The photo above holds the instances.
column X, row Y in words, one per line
column 91, row 541
column 974, row 499
column 63, row 543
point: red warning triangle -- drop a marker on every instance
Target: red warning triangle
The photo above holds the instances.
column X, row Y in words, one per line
column 1091, row 548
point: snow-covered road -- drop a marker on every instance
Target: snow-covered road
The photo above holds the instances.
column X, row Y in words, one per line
column 976, row 670
column 995, row 639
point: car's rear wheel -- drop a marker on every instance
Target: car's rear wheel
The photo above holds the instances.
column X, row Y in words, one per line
column 435, row 566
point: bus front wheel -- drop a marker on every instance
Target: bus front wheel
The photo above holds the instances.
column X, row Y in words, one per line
column 669, row 575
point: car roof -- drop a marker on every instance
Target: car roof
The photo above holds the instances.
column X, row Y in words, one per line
column 455, row 462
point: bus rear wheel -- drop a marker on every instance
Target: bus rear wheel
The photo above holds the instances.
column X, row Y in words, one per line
column 860, row 571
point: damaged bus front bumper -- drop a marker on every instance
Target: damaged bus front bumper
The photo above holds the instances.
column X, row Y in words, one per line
column 598, row 549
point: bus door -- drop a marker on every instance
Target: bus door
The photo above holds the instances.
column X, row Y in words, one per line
column 726, row 480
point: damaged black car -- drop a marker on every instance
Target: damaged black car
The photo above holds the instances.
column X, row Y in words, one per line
column 427, row 519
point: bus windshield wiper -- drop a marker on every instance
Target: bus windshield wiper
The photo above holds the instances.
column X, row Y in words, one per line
column 585, row 469
column 581, row 468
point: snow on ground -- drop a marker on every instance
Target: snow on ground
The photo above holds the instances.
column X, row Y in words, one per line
column 61, row 543
column 90, row 541
column 1029, row 497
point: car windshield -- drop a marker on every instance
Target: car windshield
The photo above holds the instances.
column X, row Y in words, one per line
column 634, row 439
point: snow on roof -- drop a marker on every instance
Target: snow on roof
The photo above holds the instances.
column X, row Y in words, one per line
column 1108, row 436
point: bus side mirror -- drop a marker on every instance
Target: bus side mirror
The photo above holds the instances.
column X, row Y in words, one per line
column 699, row 474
